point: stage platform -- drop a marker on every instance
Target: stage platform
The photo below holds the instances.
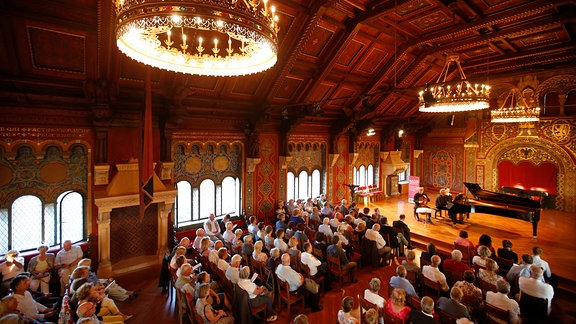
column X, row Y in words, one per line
column 556, row 232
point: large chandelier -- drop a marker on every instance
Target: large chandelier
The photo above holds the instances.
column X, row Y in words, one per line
column 515, row 110
column 202, row 37
column 453, row 96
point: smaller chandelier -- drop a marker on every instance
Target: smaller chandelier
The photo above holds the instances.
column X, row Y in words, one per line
column 201, row 37
column 515, row 110
column 453, row 96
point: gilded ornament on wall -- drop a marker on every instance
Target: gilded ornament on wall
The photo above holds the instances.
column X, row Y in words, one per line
column 193, row 164
column 560, row 131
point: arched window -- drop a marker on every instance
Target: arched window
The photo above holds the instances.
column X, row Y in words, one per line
column 290, row 185
column 355, row 176
column 304, row 186
column 316, row 185
column 29, row 222
column 370, row 175
column 362, row 173
column 195, row 204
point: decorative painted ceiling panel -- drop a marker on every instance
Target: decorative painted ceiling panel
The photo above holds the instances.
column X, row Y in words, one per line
column 319, row 39
column 47, row 56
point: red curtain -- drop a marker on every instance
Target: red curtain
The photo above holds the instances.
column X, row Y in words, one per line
column 527, row 176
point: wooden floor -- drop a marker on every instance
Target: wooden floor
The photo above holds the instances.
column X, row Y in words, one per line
column 556, row 236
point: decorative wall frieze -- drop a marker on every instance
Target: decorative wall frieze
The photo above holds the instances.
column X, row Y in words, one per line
column 101, row 174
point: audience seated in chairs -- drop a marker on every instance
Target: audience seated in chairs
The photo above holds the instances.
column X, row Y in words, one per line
column 374, row 235
column 66, row 261
column 430, row 251
column 534, row 287
column 295, row 281
column 40, row 267
column 205, row 310
column 396, row 305
column 489, row 274
column 453, row 305
column 269, row 238
column 399, row 281
column 258, row 255
column 274, row 260
column 483, row 254
column 471, row 295
column 372, row 295
column 433, row 273
column 336, row 250
column 409, row 263
column 217, row 300
column 13, row 265
column 233, row 270
column 426, row 315
column 501, row 300
column 200, row 234
column 279, row 242
column 485, row 240
column 344, row 315
column 259, row 295
column 26, row 304
column 186, row 282
column 506, row 251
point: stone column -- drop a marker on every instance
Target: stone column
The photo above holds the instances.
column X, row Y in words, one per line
column 164, row 210
column 104, row 264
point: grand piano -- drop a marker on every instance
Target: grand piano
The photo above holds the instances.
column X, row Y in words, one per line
column 501, row 204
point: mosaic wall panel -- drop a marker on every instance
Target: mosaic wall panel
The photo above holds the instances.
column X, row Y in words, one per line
column 196, row 161
column 307, row 156
column 368, row 153
column 130, row 237
column 339, row 171
column 266, row 176
column 43, row 170
column 444, row 167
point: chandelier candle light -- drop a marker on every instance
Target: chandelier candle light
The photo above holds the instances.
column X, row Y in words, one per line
column 515, row 110
column 187, row 36
column 453, row 96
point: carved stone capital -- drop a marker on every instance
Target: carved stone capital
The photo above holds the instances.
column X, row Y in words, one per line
column 251, row 164
column 166, row 170
column 417, row 153
column 284, row 160
column 353, row 157
column 101, row 174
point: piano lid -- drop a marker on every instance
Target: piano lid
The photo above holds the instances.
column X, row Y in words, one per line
column 501, row 198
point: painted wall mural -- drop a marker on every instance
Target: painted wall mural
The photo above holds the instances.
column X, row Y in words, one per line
column 265, row 191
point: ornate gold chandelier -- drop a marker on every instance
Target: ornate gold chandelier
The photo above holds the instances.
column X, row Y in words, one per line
column 515, row 110
column 453, row 96
column 202, row 37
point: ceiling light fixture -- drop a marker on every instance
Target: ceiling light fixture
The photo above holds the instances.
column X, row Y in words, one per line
column 201, row 37
column 515, row 110
column 453, row 96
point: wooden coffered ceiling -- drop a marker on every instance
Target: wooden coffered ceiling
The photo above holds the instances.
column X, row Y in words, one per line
column 59, row 57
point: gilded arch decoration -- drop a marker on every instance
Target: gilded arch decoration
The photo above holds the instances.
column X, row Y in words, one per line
column 536, row 151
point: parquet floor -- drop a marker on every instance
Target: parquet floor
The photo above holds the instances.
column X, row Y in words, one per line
column 555, row 235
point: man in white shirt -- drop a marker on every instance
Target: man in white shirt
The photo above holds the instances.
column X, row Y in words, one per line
column 534, row 286
column 310, row 260
column 295, row 281
column 66, row 261
column 26, row 304
column 371, row 294
column 501, row 300
column 212, row 228
column 374, row 235
column 433, row 273
column 232, row 272
column 258, row 295
column 11, row 268
column 537, row 260
column 185, row 281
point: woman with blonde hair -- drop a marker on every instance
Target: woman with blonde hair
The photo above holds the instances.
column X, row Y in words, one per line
column 293, row 244
column 396, row 305
column 483, row 254
column 258, row 255
column 205, row 247
column 237, row 241
column 40, row 268
column 489, row 274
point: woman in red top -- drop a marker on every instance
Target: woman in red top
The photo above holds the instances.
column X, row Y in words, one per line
column 396, row 304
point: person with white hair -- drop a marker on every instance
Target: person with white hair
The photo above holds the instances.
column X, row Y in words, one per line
column 258, row 294
column 186, row 282
column 534, row 286
column 66, row 261
column 325, row 228
column 229, row 235
column 374, row 235
column 295, row 280
column 200, row 234
column 433, row 273
column 501, row 300
column 212, row 228
column 13, row 265
column 455, row 264
column 232, row 272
